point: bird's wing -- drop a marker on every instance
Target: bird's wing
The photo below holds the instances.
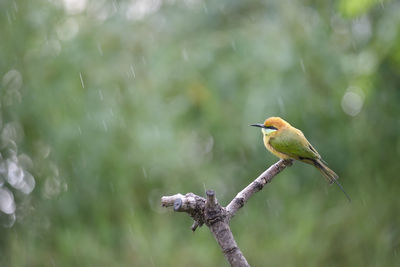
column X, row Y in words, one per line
column 293, row 143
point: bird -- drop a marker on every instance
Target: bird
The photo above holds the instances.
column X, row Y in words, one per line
column 287, row 142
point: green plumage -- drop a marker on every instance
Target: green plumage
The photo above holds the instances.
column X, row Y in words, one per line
column 294, row 144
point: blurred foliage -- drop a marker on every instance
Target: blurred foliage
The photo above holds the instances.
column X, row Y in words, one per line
column 112, row 104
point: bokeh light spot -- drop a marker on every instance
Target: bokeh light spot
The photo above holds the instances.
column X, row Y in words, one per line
column 68, row 29
column 352, row 103
column 7, row 204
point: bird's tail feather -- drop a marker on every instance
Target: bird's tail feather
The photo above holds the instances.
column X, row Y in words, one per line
column 330, row 175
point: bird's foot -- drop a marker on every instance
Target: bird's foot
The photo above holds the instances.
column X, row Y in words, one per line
column 288, row 162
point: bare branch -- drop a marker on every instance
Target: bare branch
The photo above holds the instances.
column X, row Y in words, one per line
column 224, row 237
column 217, row 218
column 189, row 203
column 255, row 186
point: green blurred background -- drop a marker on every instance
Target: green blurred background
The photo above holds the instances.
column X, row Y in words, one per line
column 108, row 105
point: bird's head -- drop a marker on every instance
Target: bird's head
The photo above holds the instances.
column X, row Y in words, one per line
column 271, row 125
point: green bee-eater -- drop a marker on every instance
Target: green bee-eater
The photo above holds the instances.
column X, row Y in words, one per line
column 287, row 142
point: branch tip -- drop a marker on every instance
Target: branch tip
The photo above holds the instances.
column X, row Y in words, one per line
column 195, row 225
column 210, row 193
column 211, row 200
column 177, row 204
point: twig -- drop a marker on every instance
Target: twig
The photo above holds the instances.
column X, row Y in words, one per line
column 258, row 184
column 216, row 217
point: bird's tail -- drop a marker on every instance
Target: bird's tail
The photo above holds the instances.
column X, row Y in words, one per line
column 330, row 175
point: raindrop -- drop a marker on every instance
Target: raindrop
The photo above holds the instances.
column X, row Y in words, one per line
column 115, row 5
column 7, row 204
column 79, row 130
column 209, row 145
column 105, row 126
column 15, row 6
column 9, row 18
column 132, row 71
column 205, row 9
column 99, row 49
column 144, row 172
column 100, row 94
column 64, row 186
column 80, row 76
column 281, row 105
column 352, row 103
column 302, row 65
column 184, row 54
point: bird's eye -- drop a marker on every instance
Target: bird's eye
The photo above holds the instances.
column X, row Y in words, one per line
column 271, row 127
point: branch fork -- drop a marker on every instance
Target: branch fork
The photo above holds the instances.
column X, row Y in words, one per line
column 208, row 211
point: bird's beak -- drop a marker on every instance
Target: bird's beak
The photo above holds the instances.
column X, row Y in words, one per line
column 258, row 125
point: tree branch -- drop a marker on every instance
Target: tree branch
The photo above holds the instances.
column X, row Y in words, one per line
column 217, row 221
column 189, row 203
column 216, row 217
column 258, row 184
